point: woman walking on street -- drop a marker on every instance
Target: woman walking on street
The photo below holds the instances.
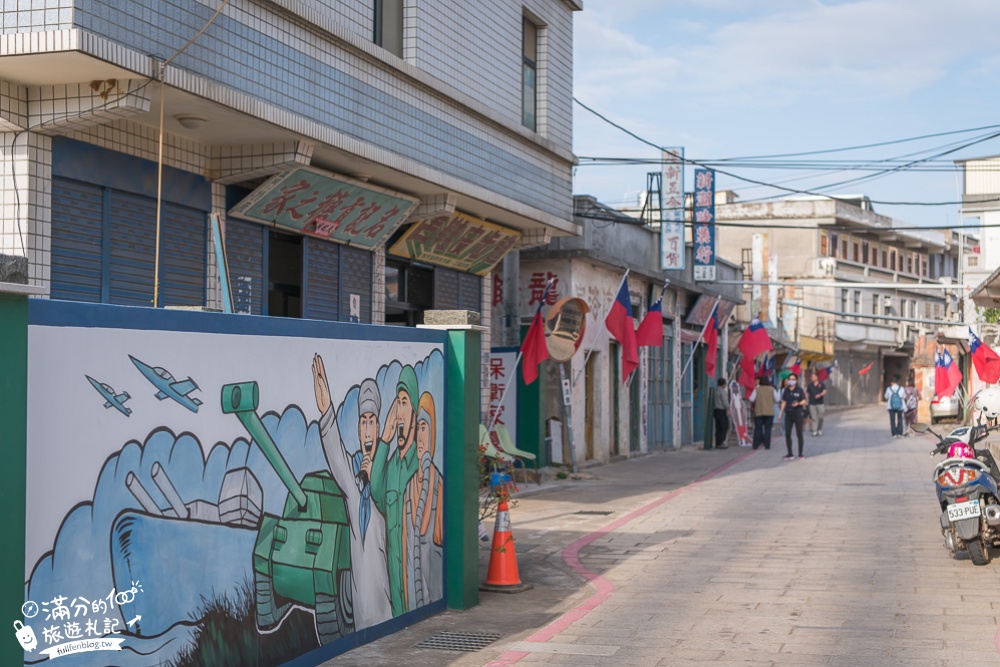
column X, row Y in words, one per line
column 793, row 405
column 912, row 400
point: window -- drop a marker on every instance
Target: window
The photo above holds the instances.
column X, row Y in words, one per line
column 834, row 244
column 864, row 252
column 843, row 249
column 892, row 259
column 857, row 252
column 857, row 302
column 875, row 299
column 887, row 306
column 388, row 30
column 923, row 268
column 885, row 259
column 824, row 245
column 529, row 75
column 909, row 265
column 843, row 301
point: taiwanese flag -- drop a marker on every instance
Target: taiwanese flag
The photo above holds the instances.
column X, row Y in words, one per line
column 953, row 372
column 986, row 361
column 619, row 323
column 823, row 372
column 534, row 350
column 712, row 341
column 747, row 373
column 940, row 376
column 796, row 365
column 650, row 331
column 866, row 368
column 754, row 340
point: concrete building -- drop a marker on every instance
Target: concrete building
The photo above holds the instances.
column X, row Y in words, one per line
column 411, row 163
column 657, row 408
column 862, row 301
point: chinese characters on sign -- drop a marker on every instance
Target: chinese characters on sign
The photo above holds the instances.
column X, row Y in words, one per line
column 672, row 213
column 501, row 372
column 78, row 624
column 704, row 224
column 537, row 288
column 322, row 205
column 457, row 241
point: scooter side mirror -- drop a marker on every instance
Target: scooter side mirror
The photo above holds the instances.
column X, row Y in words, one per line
column 920, row 427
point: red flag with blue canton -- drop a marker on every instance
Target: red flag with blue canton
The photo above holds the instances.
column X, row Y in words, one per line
column 823, row 371
column 986, row 361
column 534, row 349
column 712, row 341
column 754, row 340
column 952, row 372
column 619, row 323
column 650, row 331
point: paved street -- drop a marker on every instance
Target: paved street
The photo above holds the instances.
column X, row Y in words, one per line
column 833, row 560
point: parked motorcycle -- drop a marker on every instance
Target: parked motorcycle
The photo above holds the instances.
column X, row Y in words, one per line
column 966, row 483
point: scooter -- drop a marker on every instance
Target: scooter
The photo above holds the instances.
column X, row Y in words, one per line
column 966, row 484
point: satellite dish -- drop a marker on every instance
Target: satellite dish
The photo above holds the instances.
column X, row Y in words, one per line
column 564, row 327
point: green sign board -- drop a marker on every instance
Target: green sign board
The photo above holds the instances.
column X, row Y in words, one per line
column 327, row 206
column 457, row 241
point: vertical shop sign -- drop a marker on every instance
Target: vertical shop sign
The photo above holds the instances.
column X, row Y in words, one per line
column 672, row 211
column 704, row 225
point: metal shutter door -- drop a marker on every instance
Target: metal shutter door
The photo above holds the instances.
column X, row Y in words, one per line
column 133, row 239
column 470, row 292
column 322, row 283
column 356, row 273
column 77, row 216
column 183, row 239
column 245, row 253
column 445, row 289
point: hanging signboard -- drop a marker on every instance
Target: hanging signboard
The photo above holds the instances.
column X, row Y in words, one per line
column 672, row 210
column 704, row 225
column 457, row 241
column 327, row 206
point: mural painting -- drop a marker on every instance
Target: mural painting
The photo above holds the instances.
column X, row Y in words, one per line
column 289, row 493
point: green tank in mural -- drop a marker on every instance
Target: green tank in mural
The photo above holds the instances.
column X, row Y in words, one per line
column 302, row 557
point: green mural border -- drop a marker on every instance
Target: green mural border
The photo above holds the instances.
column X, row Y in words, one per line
column 14, row 440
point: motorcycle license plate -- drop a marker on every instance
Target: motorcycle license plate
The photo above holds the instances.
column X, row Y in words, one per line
column 965, row 510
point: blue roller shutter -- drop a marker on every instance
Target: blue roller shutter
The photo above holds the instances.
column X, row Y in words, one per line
column 133, row 241
column 183, row 250
column 77, row 228
column 356, row 278
column 322, row 279
column 245, row 252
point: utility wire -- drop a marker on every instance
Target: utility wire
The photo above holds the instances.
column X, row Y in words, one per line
column 744, row 179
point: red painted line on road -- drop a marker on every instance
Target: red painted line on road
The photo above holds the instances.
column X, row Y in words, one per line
column 571, row 556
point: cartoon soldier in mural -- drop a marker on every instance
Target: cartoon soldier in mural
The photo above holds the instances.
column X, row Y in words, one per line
column 423, row 527
column 390, row 474
column 372, row 604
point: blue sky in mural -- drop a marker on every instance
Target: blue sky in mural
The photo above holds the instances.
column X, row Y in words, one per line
column 729, row 78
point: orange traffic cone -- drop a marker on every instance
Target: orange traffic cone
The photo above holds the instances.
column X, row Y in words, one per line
column 502, row 576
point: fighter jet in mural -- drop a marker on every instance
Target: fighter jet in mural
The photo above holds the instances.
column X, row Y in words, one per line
column 168, row 387
column 112, row 400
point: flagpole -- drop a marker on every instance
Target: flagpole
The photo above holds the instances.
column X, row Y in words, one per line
column 604, row 334
column 517, row 360
column 700, row 336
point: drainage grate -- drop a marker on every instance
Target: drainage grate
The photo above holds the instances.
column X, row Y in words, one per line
column 459, row 641
column 598, row 512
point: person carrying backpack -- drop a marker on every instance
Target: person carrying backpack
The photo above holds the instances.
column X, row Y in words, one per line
column 895, row 398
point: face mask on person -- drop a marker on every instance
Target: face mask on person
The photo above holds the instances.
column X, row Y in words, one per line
column 792, row 383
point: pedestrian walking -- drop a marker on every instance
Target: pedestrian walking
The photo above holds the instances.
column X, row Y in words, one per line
column 778, row 418
column 763, row 399
column 817, row 407
column 912, row 401
column 895, row 403
column 721, row 414
column 794, row 404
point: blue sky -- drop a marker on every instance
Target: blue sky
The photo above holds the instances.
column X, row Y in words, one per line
column 728, row 78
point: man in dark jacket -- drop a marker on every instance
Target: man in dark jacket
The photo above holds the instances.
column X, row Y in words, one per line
column 793, row 403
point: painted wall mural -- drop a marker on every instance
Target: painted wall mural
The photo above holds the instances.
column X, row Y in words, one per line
column 211, row 499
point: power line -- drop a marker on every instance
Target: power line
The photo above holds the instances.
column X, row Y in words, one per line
column 745, row 179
